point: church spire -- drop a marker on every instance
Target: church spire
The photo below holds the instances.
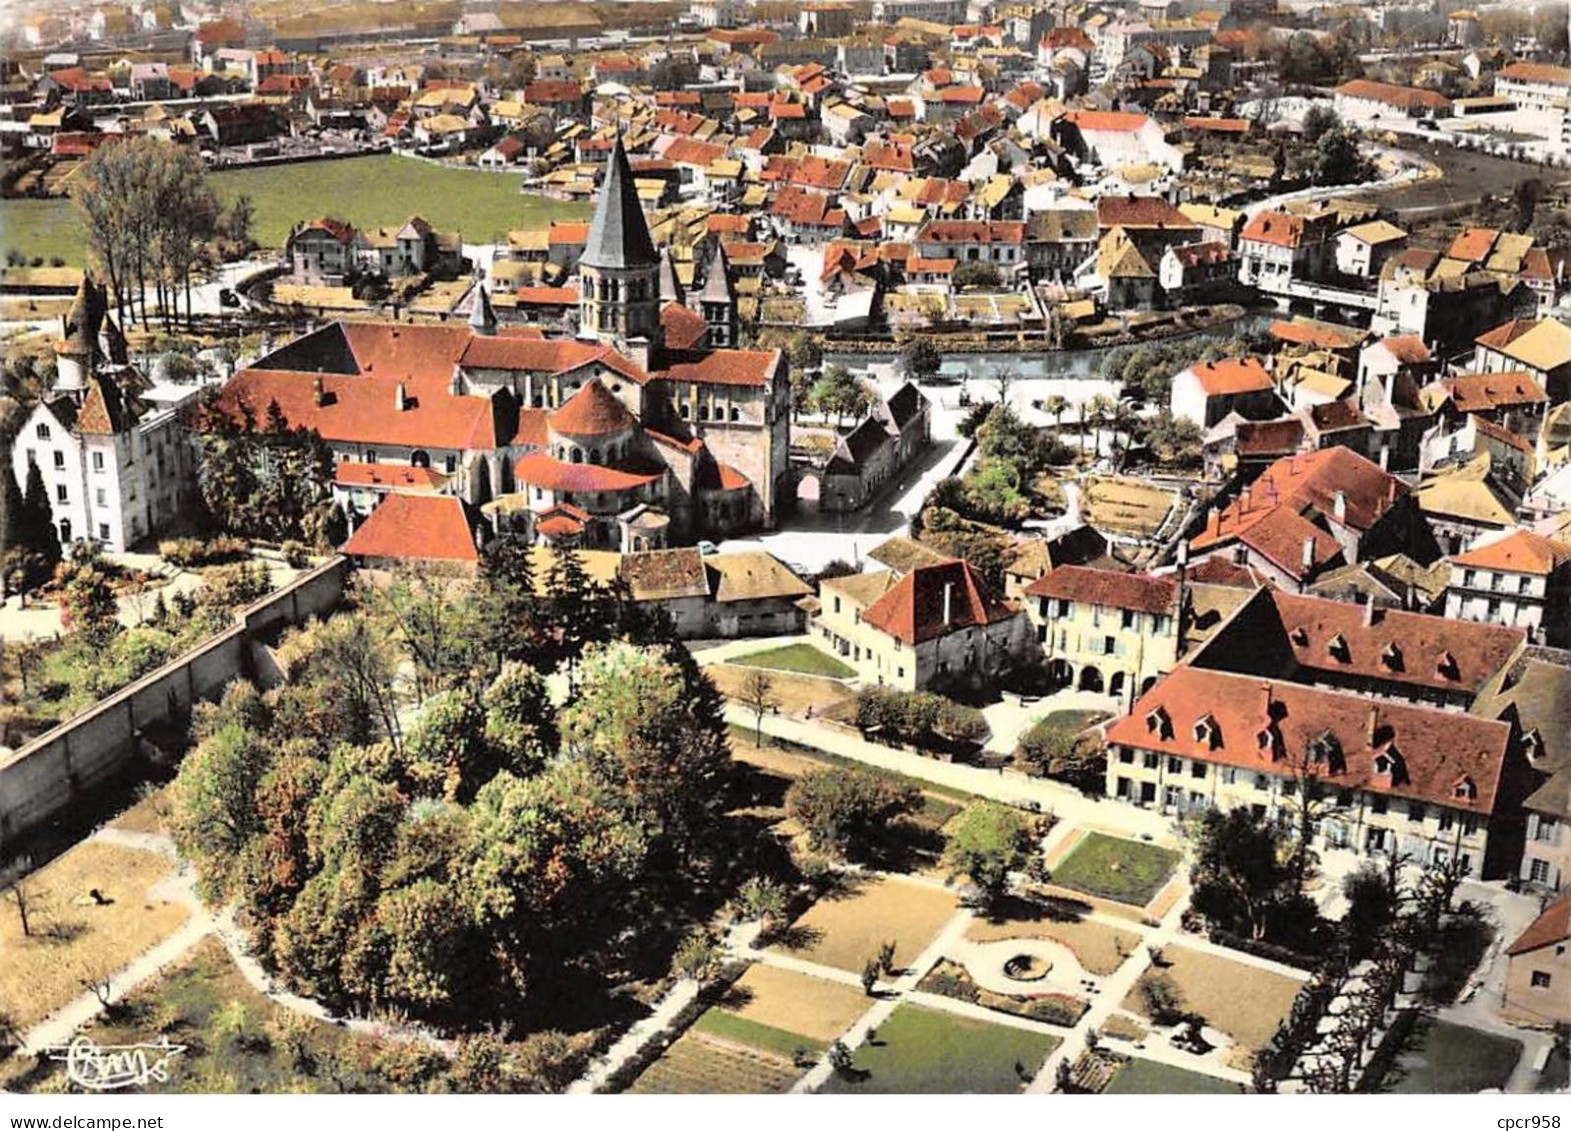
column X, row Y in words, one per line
column 619, row 233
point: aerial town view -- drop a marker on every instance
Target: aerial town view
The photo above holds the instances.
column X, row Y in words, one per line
column 819, row 547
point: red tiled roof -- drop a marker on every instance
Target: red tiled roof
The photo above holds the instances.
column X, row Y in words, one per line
column 532, row 428
column 972, row 231
column 684, row 328
column 592, row 411
column 567, row 233
column 1218, row 125
column 1408, row 349
column 724, row 367
column 912, row 610
column 340, row 230
column 547, row 296
column 539, row 469
column 1277, row 228
column 1472, row 245
column 1505, row 333
column 1265, row 726
column 1308, row 482
column 1481, row 392
column 1536, row 73
column 1141, row 592
column 422, row 527
column 1553, row 925
column 1280, row 536
column 553, row 90
column 1133, row 212
column 1232, row 375
column 390, row 475
column 1521, row 551
column 1107, row 121
column 1319, row 335
column 1404, row 97
column 1392, row 646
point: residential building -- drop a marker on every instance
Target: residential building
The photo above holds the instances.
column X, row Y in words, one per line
column 1520, row 579
column 1540, row 347
column 1364, row 101
column 935, row 627
column 1538, row 970
column 1209, row 390
column 873, row 453
column 1102, row 630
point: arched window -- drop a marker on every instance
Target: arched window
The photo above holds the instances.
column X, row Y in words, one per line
column 578, row 456
column 594, row 455
column 736, row 413
column 65, row 531
column 703, row 412
column 419, row 458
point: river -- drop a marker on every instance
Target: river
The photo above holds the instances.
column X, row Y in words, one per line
column 1039, row 364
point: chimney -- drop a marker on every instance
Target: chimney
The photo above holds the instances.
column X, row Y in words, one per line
column 1339, row 506
column 1309, row 554
column 1372, row 723
column 1369, row 611
column 1385, row 464
column 949, row 603
column 400, row 398
column 318, row 394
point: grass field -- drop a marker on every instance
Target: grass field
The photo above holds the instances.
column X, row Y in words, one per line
column 785, row 1001
column 739, row 1030
column 1101, row 949
column 1244, row 1001
column 694, row 1065
column 1150, row 1078
column 1453, row 1059
column 1113, row 868
column 845, row 932
column 927, row 1051
column 236, row 1041
column 793, row 691
column 803, row 658
column 70, row 943
column 367, row 191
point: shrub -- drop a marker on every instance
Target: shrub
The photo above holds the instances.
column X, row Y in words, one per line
column 231, row 586
column 190, row 553
column 919, row 718
column 296, row 554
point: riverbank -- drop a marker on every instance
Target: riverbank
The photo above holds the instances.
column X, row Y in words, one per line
column 1181, row 325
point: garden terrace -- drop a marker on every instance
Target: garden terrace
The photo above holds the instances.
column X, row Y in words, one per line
column 1125, row 871
column 1242, row 999
column 922, row 1050
column 846, row 930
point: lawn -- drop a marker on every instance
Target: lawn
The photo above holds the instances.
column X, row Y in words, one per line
column 1127, row 871
column 928, row 1051
column 1453, row 1059
column 1149, row 1078
column 1101, row 949
column 1245, row 1002
column 845, row 931
column 803, row 658
column 237, row 1041
column 71, row 943
column 792, row 691
column 696, row 1064
column 785, row 1001
column 367, row 191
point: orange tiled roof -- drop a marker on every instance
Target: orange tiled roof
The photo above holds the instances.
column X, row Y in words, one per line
column 1522, row 551
column 592, row 411
column 422, row 527
column 912, row 610
column 1141, row 592
column 539, row 469
column 1232, row 375
column 1304, row 482
column 1553, row 925
column 1266, row 725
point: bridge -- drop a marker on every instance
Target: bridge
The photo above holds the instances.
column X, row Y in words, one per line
column 1335, row 296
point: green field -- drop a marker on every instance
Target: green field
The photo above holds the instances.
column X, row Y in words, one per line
column 1114, row 868
column 802, row 658
column 1445, row 1058
column 927, row 1051
column 367, row 191
column 729, row 1027
column 1149, row 1078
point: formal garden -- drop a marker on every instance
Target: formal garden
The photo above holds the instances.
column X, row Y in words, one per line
column 849, row 927
column 1111, row 867
column 1246, row 1001
column 920, row 1050
column 805, row 659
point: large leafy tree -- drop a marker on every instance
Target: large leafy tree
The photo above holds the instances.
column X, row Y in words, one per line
column 649, row 725
column 1242, row 874
column 987, row 843
column 843, row 811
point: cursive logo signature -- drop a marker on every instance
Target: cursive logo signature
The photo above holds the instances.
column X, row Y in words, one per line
column 109, row 1068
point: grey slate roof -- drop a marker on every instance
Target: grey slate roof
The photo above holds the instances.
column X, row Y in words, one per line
column 619, row 233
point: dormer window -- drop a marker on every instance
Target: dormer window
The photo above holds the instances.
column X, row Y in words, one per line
column 1533, row 745
column 1325, row 751
column 1159, row 723
column 1207, row 732
column 1465, row 789
column 1446, row 666
column 1338, row 650
column 1389, row 764
column 1391, row 657
column 1300, row 636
